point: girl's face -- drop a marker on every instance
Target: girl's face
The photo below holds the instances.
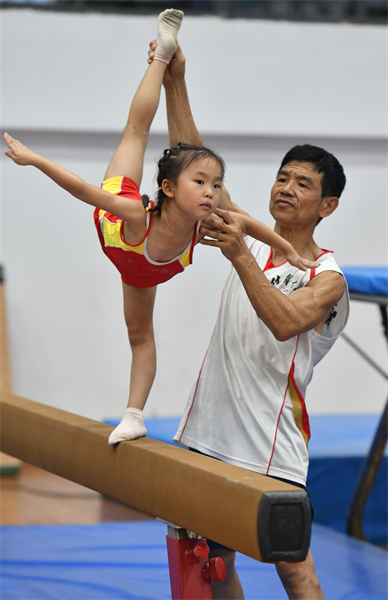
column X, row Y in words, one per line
column 198, row 189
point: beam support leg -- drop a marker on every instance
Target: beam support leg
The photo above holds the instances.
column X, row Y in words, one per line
column 191, row 571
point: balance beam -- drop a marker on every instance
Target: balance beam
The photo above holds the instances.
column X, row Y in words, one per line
column 258, row 516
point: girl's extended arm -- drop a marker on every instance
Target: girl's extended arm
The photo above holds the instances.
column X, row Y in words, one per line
column 259, row 231
column 123, row 208
column 250, row 226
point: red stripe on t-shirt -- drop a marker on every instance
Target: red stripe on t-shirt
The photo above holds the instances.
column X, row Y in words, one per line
column 305, row 417
column 281, row 409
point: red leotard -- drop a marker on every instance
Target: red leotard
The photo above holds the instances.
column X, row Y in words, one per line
column 134, row 264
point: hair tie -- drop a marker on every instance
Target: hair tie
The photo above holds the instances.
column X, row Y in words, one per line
column 147, row 208
column 159, row 188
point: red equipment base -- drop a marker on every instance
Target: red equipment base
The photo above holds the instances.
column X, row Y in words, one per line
column 190, row 569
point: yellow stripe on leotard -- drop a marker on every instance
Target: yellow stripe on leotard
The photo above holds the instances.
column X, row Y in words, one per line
column 185, row 258
column 111, row 233
column 111, row 230
column 113, row 184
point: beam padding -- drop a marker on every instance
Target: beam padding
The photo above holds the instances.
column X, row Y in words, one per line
column 258, row 516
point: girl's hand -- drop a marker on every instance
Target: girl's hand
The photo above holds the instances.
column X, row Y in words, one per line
column 21, row 155
column 301, row 263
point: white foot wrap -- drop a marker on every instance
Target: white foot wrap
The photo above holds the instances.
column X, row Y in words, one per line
column 169, row 23
column 131, row 427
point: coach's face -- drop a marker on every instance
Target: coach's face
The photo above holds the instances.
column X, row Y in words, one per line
column 296, row 196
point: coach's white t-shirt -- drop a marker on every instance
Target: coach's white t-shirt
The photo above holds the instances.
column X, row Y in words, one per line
column 248, row 405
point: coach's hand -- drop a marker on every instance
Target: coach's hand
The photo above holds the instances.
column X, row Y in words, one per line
column 223, row 231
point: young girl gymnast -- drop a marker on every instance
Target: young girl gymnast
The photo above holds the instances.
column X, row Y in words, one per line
column 150, row 244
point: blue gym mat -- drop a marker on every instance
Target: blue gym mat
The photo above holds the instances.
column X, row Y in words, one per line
column 117, row 561
column 369, row 280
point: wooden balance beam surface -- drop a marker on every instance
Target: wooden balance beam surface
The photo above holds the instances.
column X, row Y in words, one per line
column 258, row 516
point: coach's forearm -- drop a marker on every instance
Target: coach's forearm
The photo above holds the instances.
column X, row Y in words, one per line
column 181, row 126
column 275, row 309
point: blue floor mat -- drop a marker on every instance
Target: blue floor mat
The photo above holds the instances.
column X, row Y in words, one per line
column 128, row 561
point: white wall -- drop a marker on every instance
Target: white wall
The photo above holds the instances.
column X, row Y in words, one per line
column 67, row 84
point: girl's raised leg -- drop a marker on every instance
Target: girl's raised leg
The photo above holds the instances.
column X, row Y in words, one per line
column 138, row 312
column 128, row 158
